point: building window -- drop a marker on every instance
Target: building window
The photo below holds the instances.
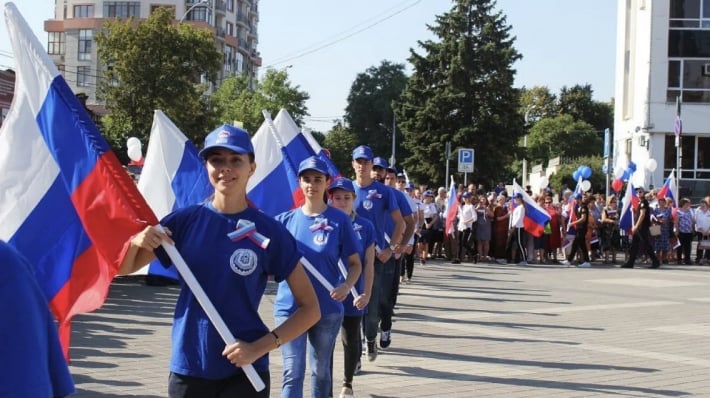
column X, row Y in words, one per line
column 122, row 9
column 696, row 155
column 230, row 5
column 198, row 14
column 239, row 67
column 55, row 43
column 230, row 29
column 689, row 79
column 84, row 11
column 229, row 52
column 83, row 76
column 86, row 36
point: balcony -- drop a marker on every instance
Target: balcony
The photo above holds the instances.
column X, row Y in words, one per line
column 220, row 6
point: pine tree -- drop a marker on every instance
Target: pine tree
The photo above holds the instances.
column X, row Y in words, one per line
column 462, row 91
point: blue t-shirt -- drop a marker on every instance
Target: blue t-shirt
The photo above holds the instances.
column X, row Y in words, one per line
column 404, row 207
column 32, row 361
column 365, row 232
column 376, row 202
column 323, row 240
column 233, row 274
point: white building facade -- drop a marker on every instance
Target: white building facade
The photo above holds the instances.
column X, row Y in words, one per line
column 663, row 53
column 71, row 44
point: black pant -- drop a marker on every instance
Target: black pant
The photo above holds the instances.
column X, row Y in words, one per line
column 181, row 386
column 579, row 243
column 642, row 239
column 351, row 338
column 686, row 243
column 518, row 239
column 398, row 266
column 407, row 268
column 465, row 240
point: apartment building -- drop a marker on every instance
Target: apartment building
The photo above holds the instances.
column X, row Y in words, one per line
column 663, row 54
column 71, row 44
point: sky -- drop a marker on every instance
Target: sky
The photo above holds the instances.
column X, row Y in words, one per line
column 325, row 44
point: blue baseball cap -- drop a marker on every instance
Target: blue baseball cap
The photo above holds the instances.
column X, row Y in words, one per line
column 228, row 137
column 380, row 162
column 391, row 169
column 342, row 183
column 466, row 194
column 429, row 193
column 517, row 195
column 409, row 185
column 363, row 152
column 313, row 163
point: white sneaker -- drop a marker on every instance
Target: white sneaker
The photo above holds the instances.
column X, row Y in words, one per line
column 523, row 263
column 584, row 265
column 501, row 261
column 565, row 262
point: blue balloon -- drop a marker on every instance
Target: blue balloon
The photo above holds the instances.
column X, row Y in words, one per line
column 586, row 172
column 632, row 167
column 626, row 175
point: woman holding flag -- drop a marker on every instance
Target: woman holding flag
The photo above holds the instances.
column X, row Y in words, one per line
column 325, row 235
column 231, row 248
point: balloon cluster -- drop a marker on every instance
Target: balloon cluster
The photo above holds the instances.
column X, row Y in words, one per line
column 134, row 149
column 583, row 172
column 621, row 175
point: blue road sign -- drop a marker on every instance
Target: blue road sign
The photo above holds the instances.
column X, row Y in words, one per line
column 466, row 157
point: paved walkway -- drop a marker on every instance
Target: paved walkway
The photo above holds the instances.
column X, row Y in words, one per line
column 462, row 331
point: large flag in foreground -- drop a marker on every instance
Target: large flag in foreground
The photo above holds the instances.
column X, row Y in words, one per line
column 279, row 150
column 65, row 201
column 535, row 216
column 452, row 209
column 173, row 177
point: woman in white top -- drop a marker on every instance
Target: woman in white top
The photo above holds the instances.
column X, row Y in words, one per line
column 467, row 217
column 431, row 214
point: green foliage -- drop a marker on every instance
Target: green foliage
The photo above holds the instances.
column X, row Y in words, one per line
column 369, row 111
column 155, row 64
column 562, row 136
column 577, row 102
column 564, row 174
column 341, row 142
column 462, row 91
column 235, row 100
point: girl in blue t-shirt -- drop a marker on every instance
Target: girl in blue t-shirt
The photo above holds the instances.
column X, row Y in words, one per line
column 232, row 249
column 342, row 196
column 324, row 235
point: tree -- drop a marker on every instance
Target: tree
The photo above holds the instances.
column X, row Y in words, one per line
column 235, row 100
column 341, row 142
column 154, row 64
column 370, row 106
column 562, row 136
column 538, row 102
column 577, row 101
column 462, row 91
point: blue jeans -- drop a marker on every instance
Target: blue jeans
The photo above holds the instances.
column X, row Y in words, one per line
column 321, row 344
column 380, row 299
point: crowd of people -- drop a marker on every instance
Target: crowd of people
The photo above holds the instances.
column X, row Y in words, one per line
column 583, row 228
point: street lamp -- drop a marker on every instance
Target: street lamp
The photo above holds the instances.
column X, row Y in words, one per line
column 200, row 4
column 525, row 144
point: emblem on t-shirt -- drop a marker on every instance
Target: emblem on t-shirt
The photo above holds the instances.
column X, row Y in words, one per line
column 321, row 230
column 357, row 228
column 243, row 261
column 371, row 194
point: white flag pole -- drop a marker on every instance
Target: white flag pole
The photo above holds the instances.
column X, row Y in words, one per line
column 209, row 308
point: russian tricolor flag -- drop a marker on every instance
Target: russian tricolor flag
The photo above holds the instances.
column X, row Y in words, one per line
column 535, row 216
column 626, row 219
column 173, row 177
column 452, row 208
column 279, row 151
column 66, row 203
column 669, row 189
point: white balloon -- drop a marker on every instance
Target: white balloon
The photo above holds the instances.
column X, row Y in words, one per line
column 651, row 165
column 619, row 171
column 134, row 152
column 586, row 185
column 133, row 141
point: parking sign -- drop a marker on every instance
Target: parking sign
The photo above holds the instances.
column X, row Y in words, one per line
column 466, row 160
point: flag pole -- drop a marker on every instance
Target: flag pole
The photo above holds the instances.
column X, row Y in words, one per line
column 209, row 308
column 678, row 129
